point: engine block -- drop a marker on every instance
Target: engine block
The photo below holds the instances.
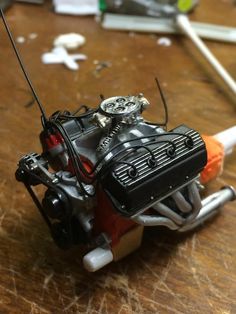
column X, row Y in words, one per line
column 108, row 172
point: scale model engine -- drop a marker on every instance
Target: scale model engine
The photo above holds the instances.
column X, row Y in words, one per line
column 108, row 173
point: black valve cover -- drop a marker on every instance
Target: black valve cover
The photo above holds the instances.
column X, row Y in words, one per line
column 134, row 188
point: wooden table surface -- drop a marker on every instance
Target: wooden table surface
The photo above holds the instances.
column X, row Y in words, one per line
column 170, row 273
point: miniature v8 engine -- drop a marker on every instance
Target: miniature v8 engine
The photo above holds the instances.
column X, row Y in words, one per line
column 108, row 173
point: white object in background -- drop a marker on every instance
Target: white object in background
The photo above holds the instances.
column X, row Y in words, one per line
column 166, row 26
column 32, row 36
column 184, row 24
column 76, row 7
column 20, row 39
column 69, row 41
column 97, row 259
column 228, row 139
column 164, row 41
column 60, row 55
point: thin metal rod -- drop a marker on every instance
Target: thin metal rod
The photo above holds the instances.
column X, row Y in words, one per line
column 184, row 24
column 164, row 102
column 23, row 67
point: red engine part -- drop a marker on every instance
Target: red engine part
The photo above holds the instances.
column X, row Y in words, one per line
column 88, row 166
column 53, row 140
column 108, row 221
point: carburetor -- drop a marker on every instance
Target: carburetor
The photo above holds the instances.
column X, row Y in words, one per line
column 108, row 173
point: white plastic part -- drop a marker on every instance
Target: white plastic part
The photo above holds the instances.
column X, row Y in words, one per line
column 60, row 55
column 69, row 41
column 97, row 259
column 148, row 24
column 228, row 139
column 184, row 24
column 76, row 7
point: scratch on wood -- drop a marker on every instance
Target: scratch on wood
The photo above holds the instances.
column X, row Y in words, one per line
column 225, row 264
column 103, row 305
column 14, row 281
column 125, row 308
column 47, row 279
column 193, row 243
column 2, row 218
column 163, row 306
column 195, row 268
column 32, row 304
column 226, row 258
column 73, row 303
column 192, row 263
column 161, row 282
column 61, row 297
column 182, row 249
column 120, row 283
column 216, row 291
column 89, row 305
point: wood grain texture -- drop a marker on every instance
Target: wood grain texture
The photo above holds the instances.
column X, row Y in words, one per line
column 170, row 273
